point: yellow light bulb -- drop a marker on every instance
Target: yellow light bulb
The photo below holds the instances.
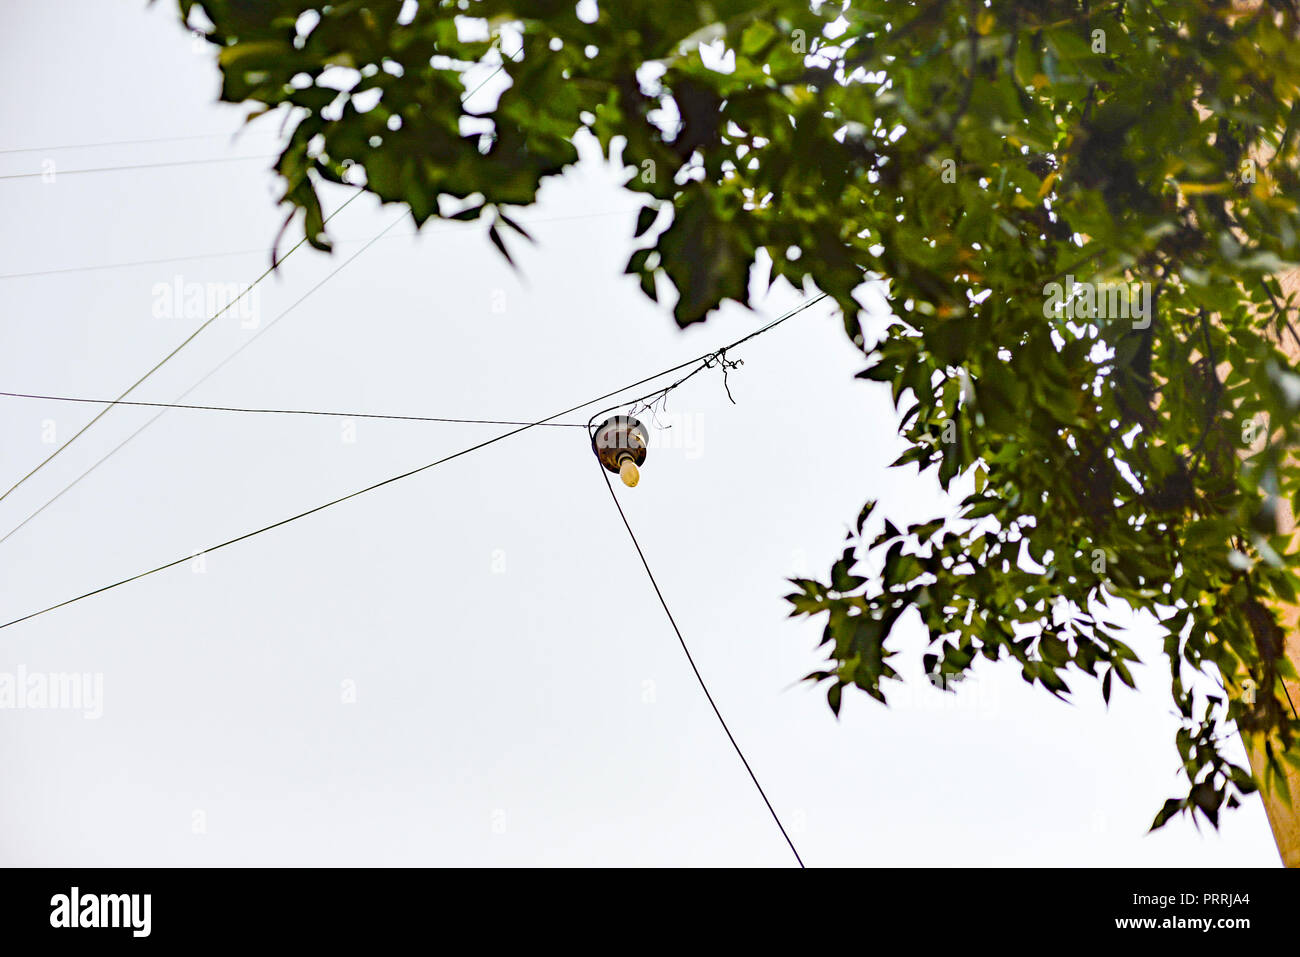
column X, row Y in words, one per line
column 627, row 471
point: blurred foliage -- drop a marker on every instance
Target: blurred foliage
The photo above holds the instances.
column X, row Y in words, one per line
column 969, row 154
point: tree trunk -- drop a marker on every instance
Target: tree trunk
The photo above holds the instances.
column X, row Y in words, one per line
column 1284, row 818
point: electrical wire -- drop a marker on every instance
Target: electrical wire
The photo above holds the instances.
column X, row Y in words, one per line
column 157, row 139
column 337, row 501
column 208, row 375
column 153, row 262
column 221, row 365
column 427, row 231
column 180, row 139
column 695, row 668
column 173, row 139
column 137, row 262
column 707, row 361
column 403, row 475
column 500, row 66
column 115, row 169
column 188, row 339
column 713, row 360
column 341, row 415
column 165, row 358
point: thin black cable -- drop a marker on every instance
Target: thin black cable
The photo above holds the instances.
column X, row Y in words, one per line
column 188, row 339
column 265, row 251
column 296, row 245
column 209, row 374
column 698, row 677
column 426, row 231
column 157, row 139
column 708, row 361
column 395, row 478
column 221, row 365
column 500, row 66
column 179, row 139
column 726, row 365
column 175, row 139
column 115, row 169
column 341, row 415
column 337, row 501
column 640, row 402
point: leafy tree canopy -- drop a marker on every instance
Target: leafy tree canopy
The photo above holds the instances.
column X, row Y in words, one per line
column 1116, row 450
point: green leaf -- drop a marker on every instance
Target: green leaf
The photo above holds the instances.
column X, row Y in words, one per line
column 497, row 241
column 645, row 219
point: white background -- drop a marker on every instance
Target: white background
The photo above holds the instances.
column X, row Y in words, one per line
column 536, row 713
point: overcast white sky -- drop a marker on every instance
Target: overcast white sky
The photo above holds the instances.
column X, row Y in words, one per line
column 520, row 697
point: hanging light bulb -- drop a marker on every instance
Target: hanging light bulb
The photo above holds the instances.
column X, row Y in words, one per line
column 627, row 470
column 620, row 444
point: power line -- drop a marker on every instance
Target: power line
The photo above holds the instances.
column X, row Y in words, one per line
column 159, row 262
column 174, row 139
column 144, row 262
column 191, row 137
column 500, row 66
column 115, row 169
column 342, row 415
column 708, row 361
column 221, row 365
column 216, row 368
column 428, row 231
column 714, row 360
column 162, row 165
column 337, row 501
column 703, row 362
column 102, row 413
column 157, row 139
column 208, row 375
column 188, row 339
column 698, row 677
column 487, row 78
